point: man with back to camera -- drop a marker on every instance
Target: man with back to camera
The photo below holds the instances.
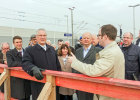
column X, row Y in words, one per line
column 37, row 58
column 109, row 60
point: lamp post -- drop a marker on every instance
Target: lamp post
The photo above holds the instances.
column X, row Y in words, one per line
column 134, row 16
column 71, row 9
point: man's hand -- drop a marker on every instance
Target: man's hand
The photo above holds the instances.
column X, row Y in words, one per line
column 5, row 62
column 70, row 59
column 37, row 73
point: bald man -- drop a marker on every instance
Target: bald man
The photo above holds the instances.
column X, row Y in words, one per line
column 95, row 41
column 132, row 57
column 86, row 54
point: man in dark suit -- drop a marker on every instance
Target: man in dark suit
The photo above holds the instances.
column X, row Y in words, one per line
column 4, row 48
column 138, row 40
column 38, row 57
column 20, row 88
column 86, row 54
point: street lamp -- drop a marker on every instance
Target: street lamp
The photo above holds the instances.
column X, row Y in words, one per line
column 72, row 21
column 134, row 16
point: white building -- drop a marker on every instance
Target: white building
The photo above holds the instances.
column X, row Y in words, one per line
column 7, row 33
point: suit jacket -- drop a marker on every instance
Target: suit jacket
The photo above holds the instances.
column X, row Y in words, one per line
column 72, row 49
column 36, row 56
column 1, row 58
column 137, row 42
column 89, row 58
column 66, row 68
column 108, row 64
column 20, row 88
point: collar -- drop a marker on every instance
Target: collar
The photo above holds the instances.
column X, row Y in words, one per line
column 127, row 47
column 20, row 50
column 43, row 46
column 87, row 48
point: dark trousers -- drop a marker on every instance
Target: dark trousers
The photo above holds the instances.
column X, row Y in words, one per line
column 25, row 98
column 84, row 95
column 66, row 97
column 36, row 88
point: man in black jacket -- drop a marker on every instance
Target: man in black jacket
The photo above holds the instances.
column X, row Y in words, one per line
column 138, row 40
column 35, row 59
column 20, row 88
column 132, row 57
column 4, row 48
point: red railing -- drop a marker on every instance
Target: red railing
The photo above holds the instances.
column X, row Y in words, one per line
column 116, row 88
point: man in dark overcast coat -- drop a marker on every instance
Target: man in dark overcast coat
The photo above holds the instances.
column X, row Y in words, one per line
column 38, row 57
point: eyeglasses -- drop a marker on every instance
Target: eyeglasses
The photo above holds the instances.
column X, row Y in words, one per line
column 41, row 35
column 126, row 38
column 99, row 35
column 5, row 48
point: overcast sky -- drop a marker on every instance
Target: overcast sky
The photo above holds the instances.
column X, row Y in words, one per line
column 88, row 15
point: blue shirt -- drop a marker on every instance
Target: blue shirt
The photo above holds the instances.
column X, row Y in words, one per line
column 85, row 51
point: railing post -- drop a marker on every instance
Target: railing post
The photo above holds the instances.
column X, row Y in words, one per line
column 7, row 88
column 51, row 79
column 49, row 90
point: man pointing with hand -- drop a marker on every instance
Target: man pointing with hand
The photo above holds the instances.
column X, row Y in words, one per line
column 109, row 61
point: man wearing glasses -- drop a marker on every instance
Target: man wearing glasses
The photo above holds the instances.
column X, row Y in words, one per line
column 4, row 48
column 132, row 57
column 108, row 62
column 38, row 58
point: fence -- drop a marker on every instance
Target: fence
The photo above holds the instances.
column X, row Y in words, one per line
column 116, row 88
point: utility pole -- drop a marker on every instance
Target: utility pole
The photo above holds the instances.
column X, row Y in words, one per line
column 71, row 9
column 133, row 6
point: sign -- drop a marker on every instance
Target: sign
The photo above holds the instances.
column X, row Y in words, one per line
column 67, row 34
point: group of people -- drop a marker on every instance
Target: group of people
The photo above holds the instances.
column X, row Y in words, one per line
column 94, row 55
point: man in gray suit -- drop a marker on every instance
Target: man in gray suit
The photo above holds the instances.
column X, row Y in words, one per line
column 86, row 54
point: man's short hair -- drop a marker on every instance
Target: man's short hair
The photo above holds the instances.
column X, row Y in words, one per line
column 32, row 36
column 40, row 29
column 110, row 31
column 131, row 35
column 4, row 43
column 16, row 37
column 60, row 40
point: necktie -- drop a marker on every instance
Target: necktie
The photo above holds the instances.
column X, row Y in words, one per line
column 20, row 53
